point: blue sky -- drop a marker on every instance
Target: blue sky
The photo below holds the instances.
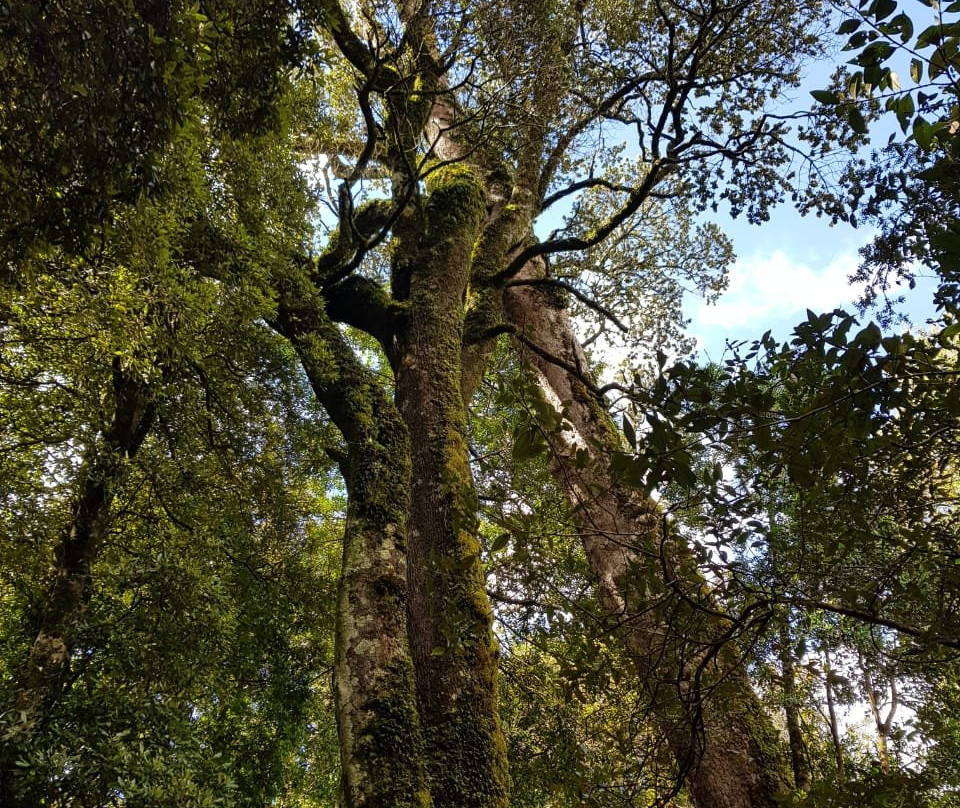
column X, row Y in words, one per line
column 784, row 267
column 793, row 263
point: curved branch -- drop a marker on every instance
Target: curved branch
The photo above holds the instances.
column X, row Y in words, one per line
column 583, row 298
column 658, row 170
column 363, row 303
column 334, row 19
column 867, row 617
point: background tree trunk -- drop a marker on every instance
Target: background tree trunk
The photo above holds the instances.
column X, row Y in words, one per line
column 798, row 757
column 706, row 709
column 834, row 721
column 101, row 474
column 882, row 725
column 45, row 672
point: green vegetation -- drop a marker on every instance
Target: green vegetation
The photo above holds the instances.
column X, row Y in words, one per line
column 313, row 489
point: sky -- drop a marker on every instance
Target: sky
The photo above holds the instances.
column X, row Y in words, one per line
column 793, row 263
column 784, row 267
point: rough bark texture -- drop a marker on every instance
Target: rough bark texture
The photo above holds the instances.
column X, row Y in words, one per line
column 725, row 745
column 453, row 647
column 381, row 745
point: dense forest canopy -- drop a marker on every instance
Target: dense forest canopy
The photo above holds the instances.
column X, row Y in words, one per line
column 317, row 484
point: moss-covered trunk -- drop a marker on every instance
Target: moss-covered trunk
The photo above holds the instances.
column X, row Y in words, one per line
column 453, row 647
column 381, row 747
column 700, row 696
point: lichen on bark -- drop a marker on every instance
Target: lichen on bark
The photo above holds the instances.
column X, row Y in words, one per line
column 453, row 647
column 381, row 742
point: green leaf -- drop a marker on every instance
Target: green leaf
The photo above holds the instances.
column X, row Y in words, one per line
column 528, row 442
column 857, row 122
column 905, row 111
column 683, row 474
column 874, row 75
column 858, row 40
column 883, row 9
column 869, row 337
column 798, row 467
column 500, row 543
column 929, row 36
column 825, row 96
column 849, row 26
column 904, row 24
column 947, row 242
column 923, row 133
column 949, row 331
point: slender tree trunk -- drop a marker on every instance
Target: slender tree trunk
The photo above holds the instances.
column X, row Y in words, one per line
column 454, row 651
column 798, row 757
column 701, row 697
column 381, row 745
column 834, row 723
column 101, row 474
column 45, row 673
column 882, row 725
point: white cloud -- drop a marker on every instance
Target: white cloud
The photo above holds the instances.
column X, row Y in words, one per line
column 766, row 289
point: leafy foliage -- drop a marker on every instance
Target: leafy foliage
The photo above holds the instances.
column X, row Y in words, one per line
column 180, row 292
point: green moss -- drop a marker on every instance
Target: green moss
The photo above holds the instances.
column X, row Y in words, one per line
column 391, row 749
column 457, row 692
column 471, row 773
column 457, row 479
column 446, row 175
column 456, row 201
column 466, row 742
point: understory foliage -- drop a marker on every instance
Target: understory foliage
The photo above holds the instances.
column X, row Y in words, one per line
column 351, row 452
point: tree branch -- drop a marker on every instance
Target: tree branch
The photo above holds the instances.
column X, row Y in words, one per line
column 867, row 617
column 583, row 298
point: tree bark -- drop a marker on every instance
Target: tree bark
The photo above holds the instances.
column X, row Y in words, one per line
column 101, row 474
column 701, row 698
column 454, row 650
column 381, row 744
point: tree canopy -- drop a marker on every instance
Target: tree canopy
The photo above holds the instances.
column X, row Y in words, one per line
column 320, row 483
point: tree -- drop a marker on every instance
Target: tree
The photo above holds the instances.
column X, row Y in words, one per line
column 464, row 235
column 908, row 188
column 441, row 133
column 144, row 627
column 827, row 461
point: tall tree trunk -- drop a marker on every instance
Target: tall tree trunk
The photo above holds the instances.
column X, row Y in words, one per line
column 724, row 743
column 798, row 757
column 834, row 722
column 381, row 745
column 454, row 650
column 103, row 470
